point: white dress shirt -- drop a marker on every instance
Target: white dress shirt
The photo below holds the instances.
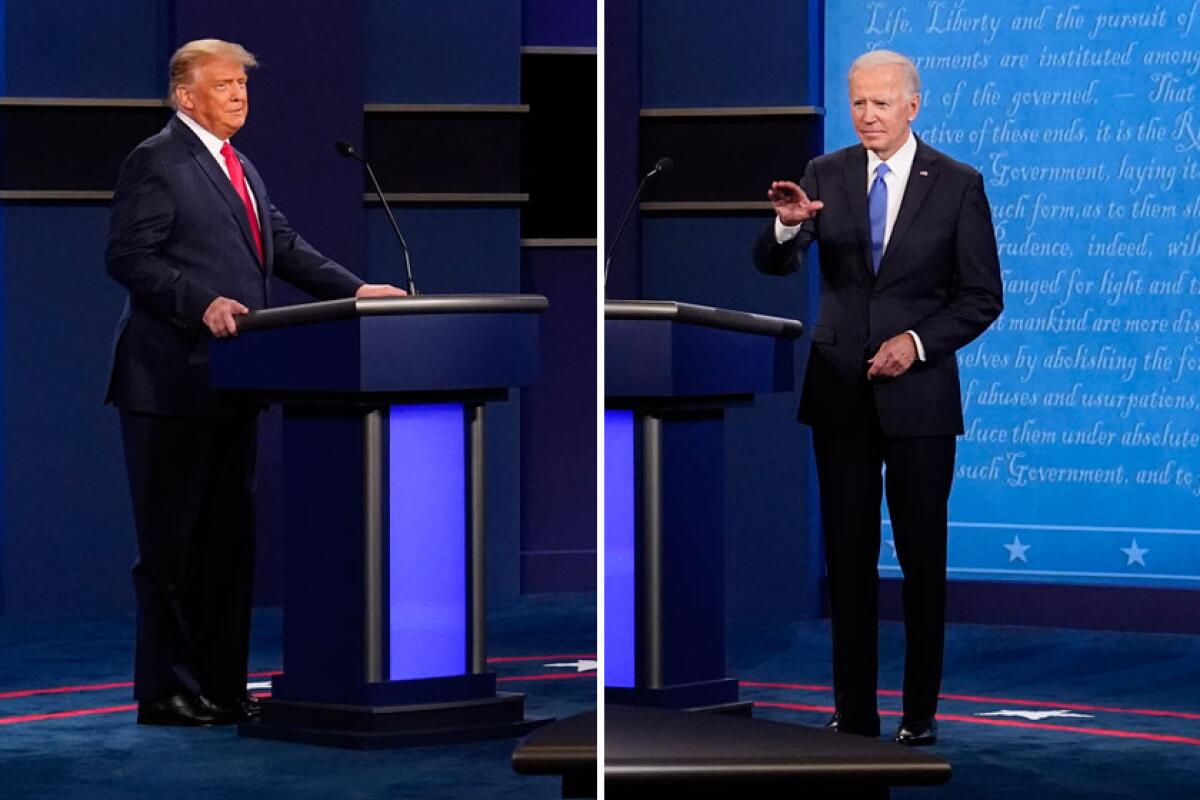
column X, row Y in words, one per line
column 899, row 168
column 213, row 145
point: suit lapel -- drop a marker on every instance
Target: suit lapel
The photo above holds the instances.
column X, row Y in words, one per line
column 920, row 180
column 854, row 175
column 208, row 165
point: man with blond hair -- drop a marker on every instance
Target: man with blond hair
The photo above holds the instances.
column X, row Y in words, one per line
column 195, row 240
column 909, row 274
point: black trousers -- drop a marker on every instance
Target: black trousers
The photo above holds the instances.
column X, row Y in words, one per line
column 919, row 472
column 192, row 483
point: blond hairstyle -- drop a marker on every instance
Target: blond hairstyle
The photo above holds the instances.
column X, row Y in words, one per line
column 190, row 56
column 879, row 58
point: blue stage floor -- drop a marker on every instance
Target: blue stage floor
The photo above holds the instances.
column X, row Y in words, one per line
column 80, row 740
column 1025, row 712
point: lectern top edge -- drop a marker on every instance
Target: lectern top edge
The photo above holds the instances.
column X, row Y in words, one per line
column 352, row 307
column 706, row 316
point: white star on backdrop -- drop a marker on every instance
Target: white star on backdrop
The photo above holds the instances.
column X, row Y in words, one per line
column 1135, row 554
column 1016, row 550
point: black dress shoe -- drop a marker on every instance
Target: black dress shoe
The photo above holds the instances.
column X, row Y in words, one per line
column 916, row 733
column 841, row 724
column 249, row 707
column 243, row 708
column 185, row 710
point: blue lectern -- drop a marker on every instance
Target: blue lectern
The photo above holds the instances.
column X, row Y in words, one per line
column 384, row 606
column 670, row 371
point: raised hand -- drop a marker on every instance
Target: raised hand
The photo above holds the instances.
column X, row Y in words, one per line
column 791, row 203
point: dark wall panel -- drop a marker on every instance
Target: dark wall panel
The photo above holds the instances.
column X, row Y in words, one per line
column 558, row 146
column 86, row 48
column 436, row 152
column 419, row 52
column 733, row 158
column 43, row 148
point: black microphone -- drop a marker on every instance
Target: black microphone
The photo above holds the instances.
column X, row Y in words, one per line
column 347, row 150
column 662, row 165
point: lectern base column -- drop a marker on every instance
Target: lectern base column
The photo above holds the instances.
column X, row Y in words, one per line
column 376, row 727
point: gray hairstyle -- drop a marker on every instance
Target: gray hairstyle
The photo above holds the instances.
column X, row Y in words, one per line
column 880, row 58
column 182, row 69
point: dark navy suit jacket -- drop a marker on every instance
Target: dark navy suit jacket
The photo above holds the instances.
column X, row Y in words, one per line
column 940, row 277
column 179, row 238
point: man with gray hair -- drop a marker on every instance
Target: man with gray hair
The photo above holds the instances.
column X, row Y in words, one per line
column 195, row 240
column 909, row 274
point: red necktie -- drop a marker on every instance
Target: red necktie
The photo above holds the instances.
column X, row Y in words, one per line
column 238, row 177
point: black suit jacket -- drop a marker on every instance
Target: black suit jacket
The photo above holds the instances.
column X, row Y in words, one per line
column 940, row 276
column 178, row 239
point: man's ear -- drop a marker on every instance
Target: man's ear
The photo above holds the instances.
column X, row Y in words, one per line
column 183, row 98
column 916, row 99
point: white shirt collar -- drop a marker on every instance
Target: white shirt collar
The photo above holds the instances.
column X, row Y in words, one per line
column 209, row 139
column 900, row 163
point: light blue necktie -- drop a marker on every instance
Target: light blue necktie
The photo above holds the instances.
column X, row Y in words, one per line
column 877, row 203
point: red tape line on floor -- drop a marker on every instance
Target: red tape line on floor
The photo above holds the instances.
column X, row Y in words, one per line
column 1010, row 723
column 972, row 698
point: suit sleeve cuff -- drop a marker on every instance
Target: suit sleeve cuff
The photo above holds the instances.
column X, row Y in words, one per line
column 785, row 233
column 917, row 341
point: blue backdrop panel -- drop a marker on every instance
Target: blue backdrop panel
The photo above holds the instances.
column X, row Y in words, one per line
column 773, row 558
column 427, row 528
column 558, row 23
column 418, row 53
column 85, row 48
column 455, row 249
column 714, row 53
column 67, row 521
column 3, row 379
column 3, row 47
column 469, row 250
column 1081, row 461
column 622, row 100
